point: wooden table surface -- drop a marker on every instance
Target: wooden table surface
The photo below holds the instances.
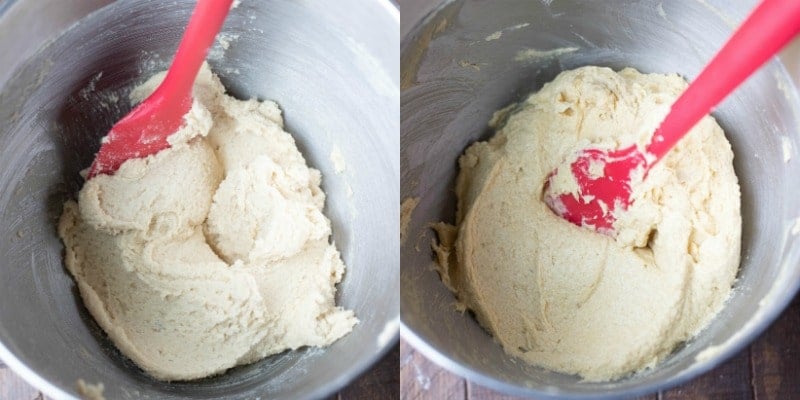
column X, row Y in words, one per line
column 768, row 369
column 380, row 382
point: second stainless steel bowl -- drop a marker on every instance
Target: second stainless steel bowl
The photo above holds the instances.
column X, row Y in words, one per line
column 457, row 70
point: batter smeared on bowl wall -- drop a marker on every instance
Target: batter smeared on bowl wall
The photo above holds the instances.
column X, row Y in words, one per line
column 568, row 298
column 212, row 253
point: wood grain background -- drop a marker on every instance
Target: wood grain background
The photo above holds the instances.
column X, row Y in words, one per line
column 767, row 370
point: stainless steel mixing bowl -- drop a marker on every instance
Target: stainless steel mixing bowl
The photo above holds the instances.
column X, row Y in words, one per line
column 457, row 70
column 332, row 67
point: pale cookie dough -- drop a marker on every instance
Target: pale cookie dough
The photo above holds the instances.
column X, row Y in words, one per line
column 570, row 299
column 212, row 253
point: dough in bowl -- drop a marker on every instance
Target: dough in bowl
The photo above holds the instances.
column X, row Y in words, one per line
column 568, row 298
column 212, row 253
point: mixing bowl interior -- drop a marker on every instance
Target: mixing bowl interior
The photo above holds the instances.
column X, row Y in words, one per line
column 471, row 58
column 331, row 68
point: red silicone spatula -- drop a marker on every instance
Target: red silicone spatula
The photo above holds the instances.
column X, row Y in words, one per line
column 145, row 129
column 768, row 28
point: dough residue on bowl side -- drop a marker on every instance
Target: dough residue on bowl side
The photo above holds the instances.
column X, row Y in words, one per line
column 90, row 391
column 406, row 210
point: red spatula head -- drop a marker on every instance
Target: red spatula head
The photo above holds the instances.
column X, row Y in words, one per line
column 142, row 132
column 604, row 181
column 768, row 28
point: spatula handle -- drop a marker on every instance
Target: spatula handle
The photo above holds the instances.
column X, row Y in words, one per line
column 204, row 24
column 768, row 28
